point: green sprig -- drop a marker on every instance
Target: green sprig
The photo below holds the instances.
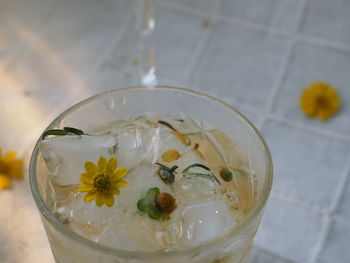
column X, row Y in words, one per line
column 62, row 132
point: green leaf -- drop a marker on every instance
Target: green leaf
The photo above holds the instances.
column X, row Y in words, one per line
column 167, row 174
column 73, row 130
column 196, row 165
column 57, row 132
column 153, row 192
column 62, row 132
column 154, row 213
column 143, row 205
column 147, row 204
column 167, row 125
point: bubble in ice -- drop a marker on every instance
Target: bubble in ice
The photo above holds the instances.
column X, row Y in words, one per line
column 201, row 221
column 65, row 156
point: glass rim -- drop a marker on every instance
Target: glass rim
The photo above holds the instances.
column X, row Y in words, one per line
column 253, row 212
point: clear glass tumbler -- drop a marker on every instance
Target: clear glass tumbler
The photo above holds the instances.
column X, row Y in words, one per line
column 231, row 247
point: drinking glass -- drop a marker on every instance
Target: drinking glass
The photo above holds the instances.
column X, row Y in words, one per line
column 231, row 247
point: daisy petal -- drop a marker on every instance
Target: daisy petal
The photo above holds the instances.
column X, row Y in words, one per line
column 115, row 191
column 121, row 184
column 119, row 174
column 112, row 165
column 108, row 199
column 90, row 167
column 99, row 199
column 85, row 188
column 89, row 197
column 86, row 178
column 102, row 164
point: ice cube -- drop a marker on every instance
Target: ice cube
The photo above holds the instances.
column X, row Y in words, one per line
column 130, row 232
column 86, row 219
column 201, row 221
column 140, row 179
column 65, row 156
column 136, row 143
column 194, row 188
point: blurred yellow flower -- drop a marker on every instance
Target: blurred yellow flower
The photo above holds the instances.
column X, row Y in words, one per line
column 320, row 100
column 10, row 165
column 5, row 182
column 102, row 181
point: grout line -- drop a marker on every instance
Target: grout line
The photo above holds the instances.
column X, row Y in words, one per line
column 301, row 126
column 322, row 239
column 340, row 188
column 223, row 19
column 324, row 43
column 278, row 86
column 201, row 48
column 297, row 203
column 273, row 254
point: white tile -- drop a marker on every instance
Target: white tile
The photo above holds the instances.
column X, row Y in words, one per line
column 239, row 65
column 328, row 20
column 202, row 5
column 307, row 167
column 110, row 77
column 19, row 18
column 176, row 37
column 264, row 256
column 288, row 230
column 336, row 248
column 343, row 208
column 278, row 14
column 79, row 31
column 310, row 64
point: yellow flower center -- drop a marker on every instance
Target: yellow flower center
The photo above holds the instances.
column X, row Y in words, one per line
column 102, row 183
column 322, row 101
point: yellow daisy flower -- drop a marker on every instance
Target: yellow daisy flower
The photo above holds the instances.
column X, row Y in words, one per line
column 10, row 165
column 102, row 181
column 320, row 100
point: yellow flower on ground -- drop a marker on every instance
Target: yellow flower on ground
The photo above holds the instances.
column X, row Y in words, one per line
column 5, row 182
column 102, row 181
column 320, row 100
column 10, row 165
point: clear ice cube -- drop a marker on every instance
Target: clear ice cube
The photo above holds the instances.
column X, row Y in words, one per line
column 194, row 188
column 86, row 219
column 130, row 232
column 65, row 156
column 201, row 221
column 136, row 143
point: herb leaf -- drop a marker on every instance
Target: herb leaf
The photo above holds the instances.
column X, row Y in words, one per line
column 167, row 125
column 62, row 132
column 73, row 130
column 167, row 174
column 57, row 132
column 148, row 204
column 196, row 165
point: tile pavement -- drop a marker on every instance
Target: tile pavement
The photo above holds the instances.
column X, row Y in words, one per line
column 255, row 55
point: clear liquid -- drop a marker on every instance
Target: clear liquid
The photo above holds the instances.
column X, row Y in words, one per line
column 123, row 226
